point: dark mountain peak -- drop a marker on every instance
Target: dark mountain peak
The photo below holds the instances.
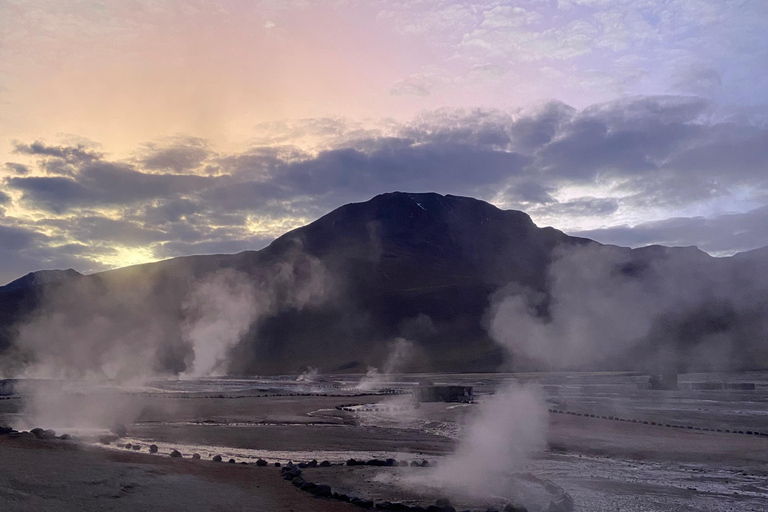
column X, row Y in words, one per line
column 41, row 277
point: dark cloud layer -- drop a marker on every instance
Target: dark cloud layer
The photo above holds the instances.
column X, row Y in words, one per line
column 179, row 197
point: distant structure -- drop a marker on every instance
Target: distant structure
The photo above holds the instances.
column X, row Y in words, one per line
column 429, row 392
column 665, row 380
column 6, row 387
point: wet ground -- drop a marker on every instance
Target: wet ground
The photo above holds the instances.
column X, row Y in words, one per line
column 661, row 450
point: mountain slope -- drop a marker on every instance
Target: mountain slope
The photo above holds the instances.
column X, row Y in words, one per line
column 332, row 294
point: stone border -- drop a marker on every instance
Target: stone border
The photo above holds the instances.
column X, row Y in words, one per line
column 563, row 502
column 657, row 424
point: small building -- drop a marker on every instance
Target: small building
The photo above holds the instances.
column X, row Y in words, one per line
column 7, row 386
column 666, row 380
column 432, row 393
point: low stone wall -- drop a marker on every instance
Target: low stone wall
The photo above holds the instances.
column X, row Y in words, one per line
column 562, row 501
column 658, row 424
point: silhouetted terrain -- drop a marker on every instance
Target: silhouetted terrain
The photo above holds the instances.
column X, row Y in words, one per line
column 425, row 267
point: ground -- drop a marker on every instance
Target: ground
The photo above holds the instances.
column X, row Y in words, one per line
column 604, row 464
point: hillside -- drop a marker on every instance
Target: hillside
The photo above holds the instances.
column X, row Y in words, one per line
column 332, row 294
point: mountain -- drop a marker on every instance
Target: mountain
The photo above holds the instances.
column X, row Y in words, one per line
column 332, row 294
column 40, row 278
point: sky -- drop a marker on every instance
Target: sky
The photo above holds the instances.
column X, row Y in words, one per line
column 139, row 130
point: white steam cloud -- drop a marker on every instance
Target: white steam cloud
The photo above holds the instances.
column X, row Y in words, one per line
column 400, row 353
column 497, row 442
column 219, row 310
column 606, row 307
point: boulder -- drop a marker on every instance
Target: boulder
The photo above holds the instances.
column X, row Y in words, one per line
column 261, row 462
column 107, row 439
column 136, row 447
column 231, row 461
column 196, row 456
column 65, row 437
column 127, row 446
column 312, row 464
column 340, row 496
column 153, row 448
column 390, row 462
column 325, row 464
column 362, row 503
column 277, row 464
column 322, row 490
column 176, row 454
column 298, row 481
column 38, row 432
column 217, row 458
column 352, row 462
column 308, row 486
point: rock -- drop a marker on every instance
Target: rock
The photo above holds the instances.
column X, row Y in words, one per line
column 298, row 481
column 375, row 462
column 325, row 464
column 119, row 430
column 261, row 462
column 176, row 454
column 424, row 463
column 396, row 507
column 196, row 456
column 231, row 461
column 390, row 462
column 322, row 490
column 107, row 439
column 136, row 447
column 127, row 446
column 415, row 464
column 65, row 437
column 217, row 458
column 352, row 462
column 277, row 464
column 361, row 503
column 308, row 486
column 312, row 464
column 443, row 502
column 38, row 432
column 514, row 507
column 153, row 448
column 302, row 465
column 5, row 430
column 340, row 497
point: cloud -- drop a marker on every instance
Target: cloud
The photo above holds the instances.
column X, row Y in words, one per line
column 17, row 168
column 182, row 155
column 592, row 171
column 721, row 234
column 103, row 183
column 67, row 153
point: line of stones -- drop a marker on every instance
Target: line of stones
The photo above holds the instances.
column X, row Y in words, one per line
column 293, row 473
column 657, row 424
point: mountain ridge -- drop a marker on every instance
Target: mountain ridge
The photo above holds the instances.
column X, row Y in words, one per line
column 421, row 266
